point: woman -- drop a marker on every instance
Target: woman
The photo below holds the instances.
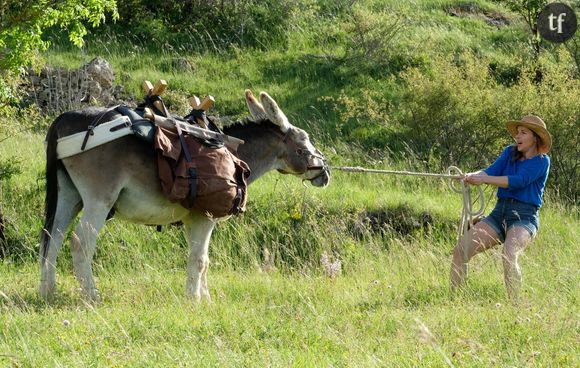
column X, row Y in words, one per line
column 520, row 174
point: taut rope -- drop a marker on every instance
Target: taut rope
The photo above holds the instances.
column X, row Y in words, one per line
column 454, row 174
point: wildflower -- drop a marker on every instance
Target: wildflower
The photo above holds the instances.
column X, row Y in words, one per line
column 295, row 214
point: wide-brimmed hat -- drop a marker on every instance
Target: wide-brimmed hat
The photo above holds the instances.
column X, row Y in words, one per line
column 537, row 125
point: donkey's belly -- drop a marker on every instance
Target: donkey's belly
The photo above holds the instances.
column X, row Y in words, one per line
column 148, row 207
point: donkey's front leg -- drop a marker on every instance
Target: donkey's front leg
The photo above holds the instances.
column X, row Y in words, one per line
column 198, row 229
column 83, row 246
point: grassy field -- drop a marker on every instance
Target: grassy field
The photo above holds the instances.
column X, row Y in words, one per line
column 274, row 302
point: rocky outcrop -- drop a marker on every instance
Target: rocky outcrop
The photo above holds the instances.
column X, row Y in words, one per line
column 56, row 90
column 495, row 19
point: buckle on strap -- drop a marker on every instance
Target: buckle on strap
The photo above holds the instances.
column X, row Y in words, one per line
column 127, row 123
column 90, row 131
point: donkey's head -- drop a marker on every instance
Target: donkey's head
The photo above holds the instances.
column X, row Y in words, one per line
column 297, row 154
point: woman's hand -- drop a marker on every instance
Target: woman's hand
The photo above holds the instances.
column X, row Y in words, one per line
column 477, row 178
column 480, row 177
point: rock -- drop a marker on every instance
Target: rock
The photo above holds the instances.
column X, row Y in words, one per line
column 100, row 71
column 495, row 19
column 182, row 64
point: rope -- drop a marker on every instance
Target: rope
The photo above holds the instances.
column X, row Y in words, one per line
column 358, row 169
column 454, row 174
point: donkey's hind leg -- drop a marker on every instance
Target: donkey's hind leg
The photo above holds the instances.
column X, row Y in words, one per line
column 83, row 246
column 68, row 206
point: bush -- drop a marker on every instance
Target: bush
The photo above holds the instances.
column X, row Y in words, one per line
column 370, row 37
column 354, row 35
column 207, row 25
column 453, row 113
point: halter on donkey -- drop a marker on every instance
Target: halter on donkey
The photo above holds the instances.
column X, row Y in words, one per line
column 121, row 175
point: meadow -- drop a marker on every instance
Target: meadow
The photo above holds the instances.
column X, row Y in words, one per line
column 274, row 301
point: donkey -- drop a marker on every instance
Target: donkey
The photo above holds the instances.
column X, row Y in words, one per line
column 121, row 176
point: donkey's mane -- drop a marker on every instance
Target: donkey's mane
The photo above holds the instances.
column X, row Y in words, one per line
column 228, row 123
column 249, row 128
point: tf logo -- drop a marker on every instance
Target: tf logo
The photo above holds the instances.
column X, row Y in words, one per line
column 557, row 22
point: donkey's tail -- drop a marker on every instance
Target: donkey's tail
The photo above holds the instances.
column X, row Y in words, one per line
column 51, row 199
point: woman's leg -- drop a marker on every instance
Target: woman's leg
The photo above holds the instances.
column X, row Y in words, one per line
column 517, row 239
column 482, row 237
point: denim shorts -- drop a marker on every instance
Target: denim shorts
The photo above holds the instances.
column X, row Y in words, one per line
column 510, row 212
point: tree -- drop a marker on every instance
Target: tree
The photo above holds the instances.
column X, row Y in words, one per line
column 529, row 10
column 22, row 23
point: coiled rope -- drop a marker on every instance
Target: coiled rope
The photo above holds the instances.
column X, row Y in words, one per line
column 469, row 212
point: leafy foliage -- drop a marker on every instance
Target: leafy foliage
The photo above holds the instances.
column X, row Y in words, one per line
column 22, row 24
column 529, row 11
column 208, row 25
column 370, row 35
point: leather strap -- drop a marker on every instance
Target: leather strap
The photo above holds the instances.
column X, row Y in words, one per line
column 90, row 132
column 121, row 126
column 192, row 171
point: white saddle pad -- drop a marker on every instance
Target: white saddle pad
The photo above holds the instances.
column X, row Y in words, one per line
column 71, row 144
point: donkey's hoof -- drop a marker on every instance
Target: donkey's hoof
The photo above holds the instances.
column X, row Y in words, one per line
column 198, row 298
column 91, row 296
column 205, row 295
column 47, row 291
column 195, row 298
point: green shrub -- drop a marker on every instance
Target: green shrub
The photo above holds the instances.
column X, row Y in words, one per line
column 506, row 74
column 206, row 25
column 370, row 37
column 453, row 112
column 8, row 168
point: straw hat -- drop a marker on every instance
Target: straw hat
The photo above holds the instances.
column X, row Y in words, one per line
column 535, row 124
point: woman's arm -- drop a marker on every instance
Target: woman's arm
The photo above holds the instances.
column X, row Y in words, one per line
column 480, row 177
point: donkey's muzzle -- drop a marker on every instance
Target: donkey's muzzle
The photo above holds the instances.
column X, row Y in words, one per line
column 322, row 178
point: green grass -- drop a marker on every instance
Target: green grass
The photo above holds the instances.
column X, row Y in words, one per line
column 368, row 317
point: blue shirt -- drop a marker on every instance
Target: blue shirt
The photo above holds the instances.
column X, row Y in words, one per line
column 526, row 178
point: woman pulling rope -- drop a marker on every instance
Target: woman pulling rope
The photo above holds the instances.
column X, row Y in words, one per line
column 520, row 174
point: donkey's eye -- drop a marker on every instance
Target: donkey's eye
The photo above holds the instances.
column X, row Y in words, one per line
column 299, row 151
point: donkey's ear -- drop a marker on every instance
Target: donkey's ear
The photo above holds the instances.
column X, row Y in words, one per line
column 256, row 108
column 274, row 113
